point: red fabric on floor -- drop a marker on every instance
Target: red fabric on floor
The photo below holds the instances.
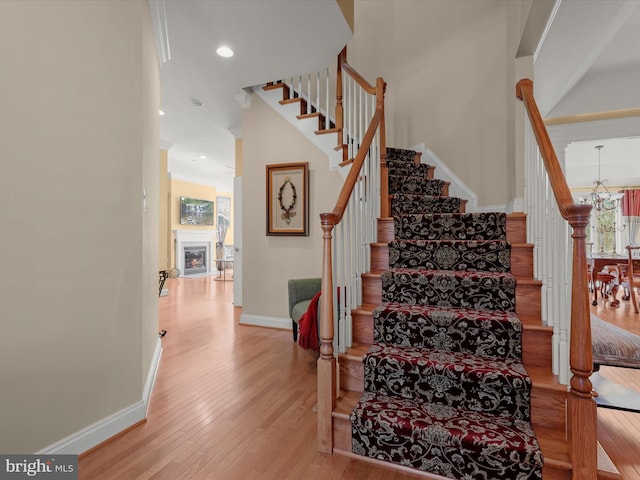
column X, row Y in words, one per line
column 308, row 325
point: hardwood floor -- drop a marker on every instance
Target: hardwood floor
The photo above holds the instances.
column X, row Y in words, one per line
column 230, row 402
column 236, row 402
column 619, row 432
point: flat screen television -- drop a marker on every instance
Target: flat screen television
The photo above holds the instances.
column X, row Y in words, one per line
column 196, row 212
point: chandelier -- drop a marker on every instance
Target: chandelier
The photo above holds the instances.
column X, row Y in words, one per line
column 600, row 197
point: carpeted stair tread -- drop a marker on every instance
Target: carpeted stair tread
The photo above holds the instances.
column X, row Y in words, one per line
column 402, row 202
column 451, row 226
column 474, row 255
column 401, row 154
column 413, row 185
column 404, row 168
column 488, row 333
column 451, row 442
column 498, row 386
column 450, row 288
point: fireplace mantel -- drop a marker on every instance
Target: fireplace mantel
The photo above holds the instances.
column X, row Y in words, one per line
column 194, row 238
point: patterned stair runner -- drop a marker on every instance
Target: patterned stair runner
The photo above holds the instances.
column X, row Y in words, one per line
column 445, row 388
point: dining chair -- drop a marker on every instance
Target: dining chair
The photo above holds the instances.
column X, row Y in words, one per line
column 630, row 274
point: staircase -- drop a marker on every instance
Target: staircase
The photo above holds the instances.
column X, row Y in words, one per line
column 442, row 325
column 449, row 370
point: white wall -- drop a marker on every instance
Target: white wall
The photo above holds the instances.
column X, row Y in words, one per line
column 449, row 67
column 269, row 261
column 602, row 92
column 79, row 310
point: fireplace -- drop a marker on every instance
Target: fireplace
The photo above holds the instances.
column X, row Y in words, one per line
column 193, row 251
column 195, row 260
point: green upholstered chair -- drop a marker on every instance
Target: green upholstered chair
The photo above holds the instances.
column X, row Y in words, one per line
column 301, row 292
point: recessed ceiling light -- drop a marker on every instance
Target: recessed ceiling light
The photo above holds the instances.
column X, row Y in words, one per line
column 225, row 52
column 203, row 156
column 160, row 112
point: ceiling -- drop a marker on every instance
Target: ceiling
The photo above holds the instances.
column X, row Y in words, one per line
column 589, row 61
column 588, row 45
column 202, row 93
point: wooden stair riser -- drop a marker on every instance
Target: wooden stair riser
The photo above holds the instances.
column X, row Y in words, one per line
column 537, row 347
column 528, row 298
column 548, row 405
column 517, row 228
column 342, row 433
column 351, row 373
column 379, row 257
column 362, row 326
column 522, row 260
column 371, row 288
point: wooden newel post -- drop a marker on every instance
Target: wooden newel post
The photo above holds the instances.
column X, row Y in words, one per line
column 581, row 407
column 326, row 363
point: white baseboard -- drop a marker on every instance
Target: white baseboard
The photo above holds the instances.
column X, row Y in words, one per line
column 151, row 374
column 457, row 188
column 261, row 321
column 517, row 205
column 492, row 208
column 104, row 429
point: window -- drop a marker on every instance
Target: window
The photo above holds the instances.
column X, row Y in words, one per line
column 605, row 228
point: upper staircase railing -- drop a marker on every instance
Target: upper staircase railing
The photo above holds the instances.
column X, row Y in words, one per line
column 581, row 407
column 350, row 227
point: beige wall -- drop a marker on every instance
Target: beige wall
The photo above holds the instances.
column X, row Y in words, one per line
column 181, row 188
column 449, row 70
column 268, row 261
column 80, row 145
column 148, row 122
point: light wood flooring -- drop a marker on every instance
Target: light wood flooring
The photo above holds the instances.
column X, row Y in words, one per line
column 619, row 432
column 230, row 402
column 236, row 402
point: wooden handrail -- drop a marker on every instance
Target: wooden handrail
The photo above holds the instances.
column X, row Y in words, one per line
column 342, row 61
column 356, row 166
column 581, row 407
column 524, row 91
column 326, row 372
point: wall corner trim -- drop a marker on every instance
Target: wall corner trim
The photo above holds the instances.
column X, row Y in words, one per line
column 104, row 429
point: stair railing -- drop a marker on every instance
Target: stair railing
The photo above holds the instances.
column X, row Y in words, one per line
column 349, row 228
column 315, row 89
column 581, row 407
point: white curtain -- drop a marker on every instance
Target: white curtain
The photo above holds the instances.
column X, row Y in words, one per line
column 631, row 214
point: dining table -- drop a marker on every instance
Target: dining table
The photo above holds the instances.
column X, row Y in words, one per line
column 599, row 261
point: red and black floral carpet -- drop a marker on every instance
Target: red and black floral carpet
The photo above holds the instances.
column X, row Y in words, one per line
column 445, row 388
